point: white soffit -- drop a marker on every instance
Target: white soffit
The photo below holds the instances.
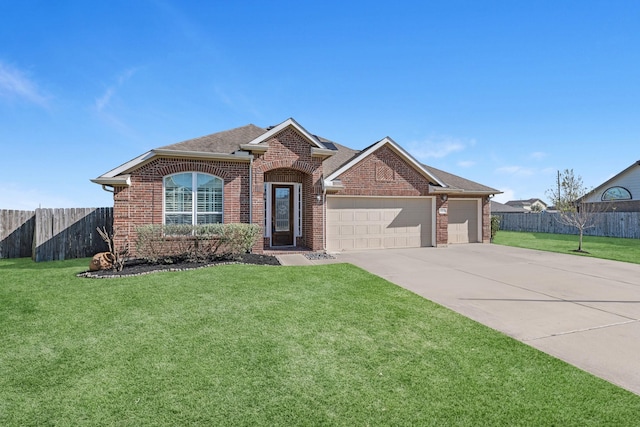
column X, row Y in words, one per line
column 150, row 155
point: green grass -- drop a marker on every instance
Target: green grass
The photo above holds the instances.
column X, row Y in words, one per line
column 627, row 250
column 255, row 345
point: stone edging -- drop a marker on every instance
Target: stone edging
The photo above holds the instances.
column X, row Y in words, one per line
column 90, row 275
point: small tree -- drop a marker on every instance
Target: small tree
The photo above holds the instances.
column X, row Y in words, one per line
column 568, row 198
column 118, row 257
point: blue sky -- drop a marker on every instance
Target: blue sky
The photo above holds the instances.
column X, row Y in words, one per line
column 501, row 92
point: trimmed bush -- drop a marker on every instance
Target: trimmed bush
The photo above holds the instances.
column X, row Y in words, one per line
column 195, row 243
column 495, row 226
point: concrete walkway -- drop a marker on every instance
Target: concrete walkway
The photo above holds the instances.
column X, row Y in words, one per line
column 584, row 311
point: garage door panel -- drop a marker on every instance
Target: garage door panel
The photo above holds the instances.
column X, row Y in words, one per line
column 347, row 216
column 347, row 230
column 362, row 216
column 374, row 223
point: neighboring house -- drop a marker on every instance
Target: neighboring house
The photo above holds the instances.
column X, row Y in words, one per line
column 620, row 193
column 502, row 208
column 304, row 190
column 530, row 205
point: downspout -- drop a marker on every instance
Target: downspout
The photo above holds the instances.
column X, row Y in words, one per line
column 324, row 216
column 251, row 189
column 104, row 187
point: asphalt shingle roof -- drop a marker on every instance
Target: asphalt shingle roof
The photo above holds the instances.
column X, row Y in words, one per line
column 225, row 142
column 230, row 141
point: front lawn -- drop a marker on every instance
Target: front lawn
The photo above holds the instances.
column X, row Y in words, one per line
column 262, row 345
column 617, row 249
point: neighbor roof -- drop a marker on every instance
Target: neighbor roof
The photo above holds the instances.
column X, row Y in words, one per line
column 609, row 181
column 500, row 207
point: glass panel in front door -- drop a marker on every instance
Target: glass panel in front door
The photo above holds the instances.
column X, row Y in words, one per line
column 283, row 196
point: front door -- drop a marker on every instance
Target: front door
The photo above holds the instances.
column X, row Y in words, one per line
column 282, row 215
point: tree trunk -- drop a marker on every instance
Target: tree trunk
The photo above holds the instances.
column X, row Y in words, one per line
column 580, row 242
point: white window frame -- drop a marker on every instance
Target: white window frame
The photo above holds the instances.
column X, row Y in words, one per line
column 194, row 191
column 297, row 209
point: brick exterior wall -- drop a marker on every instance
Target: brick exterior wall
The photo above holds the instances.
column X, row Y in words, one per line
column 383, row 173
column 288, row 160
column 486, row 220
column 142, row 202
column 442, row 222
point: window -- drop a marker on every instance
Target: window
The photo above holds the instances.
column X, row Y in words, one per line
column 616, row 193
column 192, row 198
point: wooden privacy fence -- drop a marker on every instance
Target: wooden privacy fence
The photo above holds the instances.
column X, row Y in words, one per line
column 608, row 224
column 53, row 234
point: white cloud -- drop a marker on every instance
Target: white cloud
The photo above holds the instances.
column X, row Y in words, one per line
column 437, row 147
column 466, row 163
column 538, row 155
column 515, row 170
column 103, row 101
column 13, row 196
column 507, row 194
column 238, row 102
column 14, row 84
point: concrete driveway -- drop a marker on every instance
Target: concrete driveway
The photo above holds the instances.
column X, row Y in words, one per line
column 584, row 311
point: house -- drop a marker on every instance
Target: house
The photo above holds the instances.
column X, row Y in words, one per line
column 529, row 205
column 620, row 193
column 497, row 208
column 304, row 190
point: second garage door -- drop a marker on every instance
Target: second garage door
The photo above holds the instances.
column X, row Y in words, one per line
column 378, row 222
column 463, row 221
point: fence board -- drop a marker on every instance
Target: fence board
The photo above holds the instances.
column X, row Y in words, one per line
column 608, row 224
column 16, row 233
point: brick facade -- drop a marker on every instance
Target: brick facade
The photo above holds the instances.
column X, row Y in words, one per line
column 383, row 173
column 288, row 159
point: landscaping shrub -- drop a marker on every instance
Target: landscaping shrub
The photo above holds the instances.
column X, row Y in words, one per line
column 194, row 243
column 495, row 226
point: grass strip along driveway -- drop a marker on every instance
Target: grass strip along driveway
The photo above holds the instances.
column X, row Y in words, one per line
column 613, row 248
column 259, row 345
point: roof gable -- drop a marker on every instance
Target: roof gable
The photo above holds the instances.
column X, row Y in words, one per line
column 290, row 122
column 385, row 142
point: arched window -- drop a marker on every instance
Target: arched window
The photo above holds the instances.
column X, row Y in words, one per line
column 180, row 192
column 616, row 193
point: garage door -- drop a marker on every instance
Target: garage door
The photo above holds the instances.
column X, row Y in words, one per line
column 378, row 222
column 463, row 221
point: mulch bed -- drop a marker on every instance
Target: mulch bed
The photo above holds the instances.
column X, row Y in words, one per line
column 137, row 267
